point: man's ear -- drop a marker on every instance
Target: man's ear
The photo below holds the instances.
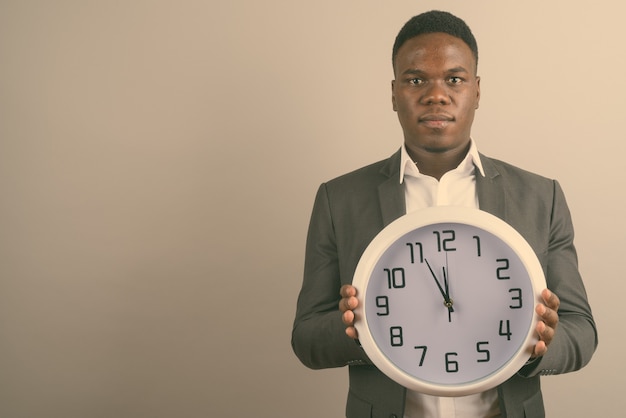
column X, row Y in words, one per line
column 477, row 91
column 393, row 96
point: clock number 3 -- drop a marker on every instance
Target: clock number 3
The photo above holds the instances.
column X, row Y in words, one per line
column 517, row 298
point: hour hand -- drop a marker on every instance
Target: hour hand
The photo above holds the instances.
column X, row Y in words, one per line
column 444, row 292
column 447, row 300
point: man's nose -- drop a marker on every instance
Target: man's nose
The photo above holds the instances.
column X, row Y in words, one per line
column 436, row 93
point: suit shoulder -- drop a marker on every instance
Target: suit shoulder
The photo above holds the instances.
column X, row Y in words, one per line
column 363, row 172
column 512, row 172
column 368, row 175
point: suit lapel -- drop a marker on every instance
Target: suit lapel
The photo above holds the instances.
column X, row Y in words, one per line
column 391, row 191
column 490, row 189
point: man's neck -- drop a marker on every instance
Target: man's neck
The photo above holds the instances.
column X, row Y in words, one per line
column 436, row 164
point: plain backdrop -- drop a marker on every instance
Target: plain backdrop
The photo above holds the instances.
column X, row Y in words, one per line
column 158, row 163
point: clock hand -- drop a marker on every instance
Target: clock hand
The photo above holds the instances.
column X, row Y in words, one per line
column 446, row 299
column 443, row 293
column 445, row 279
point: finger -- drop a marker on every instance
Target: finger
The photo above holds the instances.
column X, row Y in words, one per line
column 348, row 318
column 549, row 316
column 352, row 333
column 348, row 303
column 545, row 332
column 540, row 349
column 551, row 299
column 347, row 290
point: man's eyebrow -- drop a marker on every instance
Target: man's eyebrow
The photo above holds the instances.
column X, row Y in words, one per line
column 417, row 71
column 458, row 69
column 413, row 71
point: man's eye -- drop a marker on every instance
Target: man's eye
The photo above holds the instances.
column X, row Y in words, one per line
column 455, row 80
column 416, row 81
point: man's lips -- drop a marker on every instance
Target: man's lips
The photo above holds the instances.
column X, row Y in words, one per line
column 436, row 120
column 436, row 117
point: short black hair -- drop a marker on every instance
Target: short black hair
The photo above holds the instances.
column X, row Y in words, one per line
column 431, row 22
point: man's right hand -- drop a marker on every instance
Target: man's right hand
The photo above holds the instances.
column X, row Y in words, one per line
column 347, row 304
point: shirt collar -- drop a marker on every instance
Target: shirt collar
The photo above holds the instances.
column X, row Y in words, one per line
column 471, row 160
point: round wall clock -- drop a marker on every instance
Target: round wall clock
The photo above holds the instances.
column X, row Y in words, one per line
column 447, row 300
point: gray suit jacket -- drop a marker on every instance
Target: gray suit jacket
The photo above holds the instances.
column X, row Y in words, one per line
column 348, row 213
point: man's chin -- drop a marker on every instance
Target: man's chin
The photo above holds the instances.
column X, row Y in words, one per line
column 439, row 144
column 437, row 150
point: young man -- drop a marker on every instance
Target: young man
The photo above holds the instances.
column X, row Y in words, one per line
column 435, row 94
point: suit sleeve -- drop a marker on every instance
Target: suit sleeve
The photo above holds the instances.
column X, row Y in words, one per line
column 576, row 336
column 318, row 336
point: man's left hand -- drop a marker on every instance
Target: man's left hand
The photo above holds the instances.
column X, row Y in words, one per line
column 548, row 312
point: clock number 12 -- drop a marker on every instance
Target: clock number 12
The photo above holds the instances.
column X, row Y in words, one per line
column 442, row 241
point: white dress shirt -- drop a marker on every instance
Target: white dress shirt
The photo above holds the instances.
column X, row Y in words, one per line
column 456, row 188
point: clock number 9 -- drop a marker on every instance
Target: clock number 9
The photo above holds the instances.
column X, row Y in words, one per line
column 395, row 278
column 382, row 302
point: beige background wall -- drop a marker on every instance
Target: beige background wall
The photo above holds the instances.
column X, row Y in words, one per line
column 158, row 162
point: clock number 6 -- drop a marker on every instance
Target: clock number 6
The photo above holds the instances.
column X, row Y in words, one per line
column 452, row 366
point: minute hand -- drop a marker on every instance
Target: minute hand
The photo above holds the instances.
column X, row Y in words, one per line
column 446, row 298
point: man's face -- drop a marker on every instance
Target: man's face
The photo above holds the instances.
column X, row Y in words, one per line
column 435, row 93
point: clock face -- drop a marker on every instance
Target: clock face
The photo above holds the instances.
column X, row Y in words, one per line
column 447, row 301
